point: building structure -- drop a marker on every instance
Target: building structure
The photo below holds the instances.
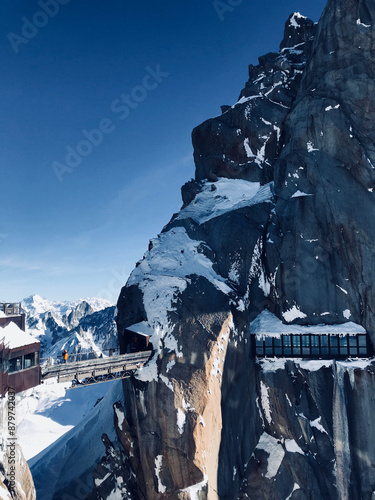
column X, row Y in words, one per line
column 19, row 351
column 12, row 312
column 136, row 338
column 272, row 338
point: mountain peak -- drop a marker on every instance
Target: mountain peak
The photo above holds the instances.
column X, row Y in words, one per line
column 298, row 30
column 36, row 302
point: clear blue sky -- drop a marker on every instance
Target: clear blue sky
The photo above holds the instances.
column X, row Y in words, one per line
column 80, row 232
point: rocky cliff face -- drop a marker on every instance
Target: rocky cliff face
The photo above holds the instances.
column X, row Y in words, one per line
column 245, row 141
column 279, row 217
column 316, row 437
column 326, row 235
column 16, row 482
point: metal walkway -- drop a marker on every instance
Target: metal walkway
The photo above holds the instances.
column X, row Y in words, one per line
column 96, row 370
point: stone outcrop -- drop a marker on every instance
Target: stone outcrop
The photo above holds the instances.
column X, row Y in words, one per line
column 16, row 482
column 279, row 217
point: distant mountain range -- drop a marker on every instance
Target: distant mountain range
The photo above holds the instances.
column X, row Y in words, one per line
column 79, row 326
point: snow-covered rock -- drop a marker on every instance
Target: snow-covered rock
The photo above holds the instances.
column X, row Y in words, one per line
column 280, row 213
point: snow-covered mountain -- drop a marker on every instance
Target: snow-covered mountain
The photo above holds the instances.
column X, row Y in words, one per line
column 67, row 312
column 82, row 325
column 276, row 235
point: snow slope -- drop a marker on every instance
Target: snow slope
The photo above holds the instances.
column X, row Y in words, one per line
column 69, row 460
column 48, row 411
column 162, row 275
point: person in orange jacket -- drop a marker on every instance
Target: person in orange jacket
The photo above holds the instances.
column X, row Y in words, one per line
column 65, row 355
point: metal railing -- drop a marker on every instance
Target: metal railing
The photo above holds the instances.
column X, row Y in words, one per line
column 97, row 370
column 79, row 356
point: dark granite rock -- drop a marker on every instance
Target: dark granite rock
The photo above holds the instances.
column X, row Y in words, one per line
column 325, row 241
column 113, row 476
column 317, row 438
column 204, row 419
column 245, row 141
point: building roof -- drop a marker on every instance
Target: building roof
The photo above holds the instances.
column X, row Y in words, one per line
column 14, row 337
column 267, row 324
column 141, row 328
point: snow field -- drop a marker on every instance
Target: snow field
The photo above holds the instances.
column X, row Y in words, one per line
column 47, row 412
column 71, row 459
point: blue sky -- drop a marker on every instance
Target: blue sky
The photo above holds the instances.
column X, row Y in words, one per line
column 77, row 229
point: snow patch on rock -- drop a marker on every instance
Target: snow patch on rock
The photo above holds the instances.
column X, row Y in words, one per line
column 257, row 270
column 346, row 313
column 299, row 194
column 195, row 489
column 342, row 289
column 329, row 108
column 293, row 313
column 225, row 195
column 265, row 400
column 292, row 446
column 120, row 417
column 275, row 453
column 318, row 425
column 310, row 147
column 295, row 488
column 272, row 365
column 181, row 420
column 360, row 23
column 294, row 20
column 158, row 465
column 167, row 382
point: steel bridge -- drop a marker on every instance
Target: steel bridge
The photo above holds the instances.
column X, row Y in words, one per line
column 93, row 371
